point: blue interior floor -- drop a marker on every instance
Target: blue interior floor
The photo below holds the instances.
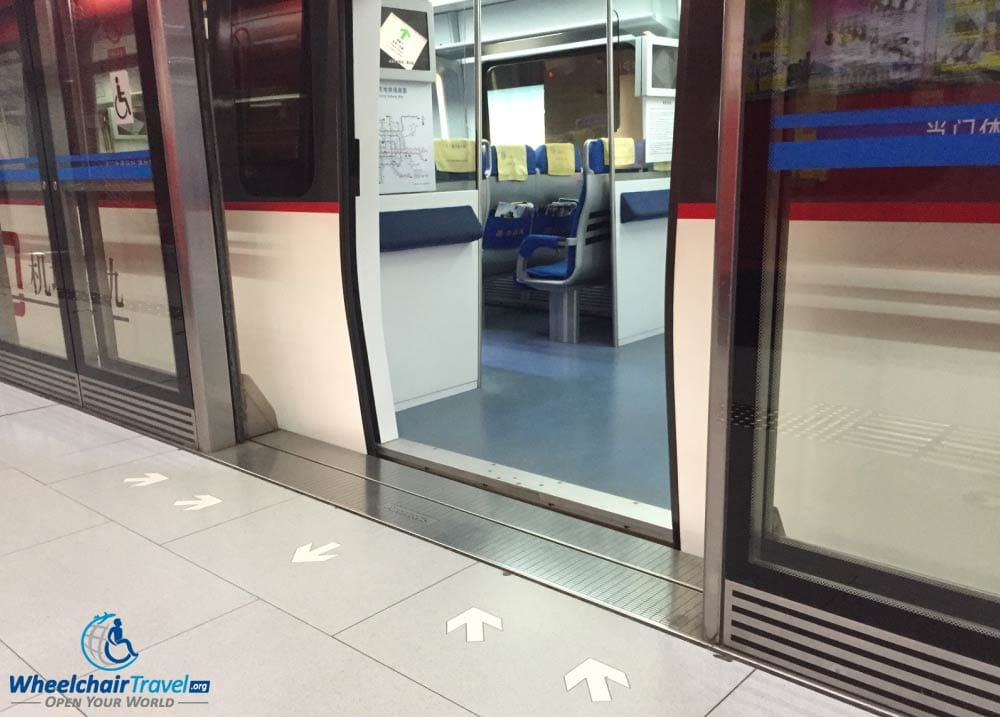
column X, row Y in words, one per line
column 585, row 413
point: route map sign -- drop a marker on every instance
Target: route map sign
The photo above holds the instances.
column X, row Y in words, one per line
column 405, row 137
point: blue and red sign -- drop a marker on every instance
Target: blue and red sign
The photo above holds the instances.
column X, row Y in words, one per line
column 942, row 136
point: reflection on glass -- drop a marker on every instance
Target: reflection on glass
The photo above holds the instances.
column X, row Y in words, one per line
column 30, row 315
column 126, row 309
column 884, row 126
column 271, row 66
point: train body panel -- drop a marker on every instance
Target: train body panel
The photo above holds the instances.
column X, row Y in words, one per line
column 291, row 321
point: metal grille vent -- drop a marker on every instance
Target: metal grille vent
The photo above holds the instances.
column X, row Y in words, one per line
column 172, row 423
column 39, row 377
column 902, row 674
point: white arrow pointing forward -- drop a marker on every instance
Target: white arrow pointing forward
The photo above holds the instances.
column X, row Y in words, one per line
column 150, row 479
column 597, row 675
column 201, row 502
column 474, row 619
column 306, row 553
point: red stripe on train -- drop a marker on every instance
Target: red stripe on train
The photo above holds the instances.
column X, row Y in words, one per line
column 314, row 207
column 942, row 212
column 21, row 201
column 126, row 203
column 696, row 210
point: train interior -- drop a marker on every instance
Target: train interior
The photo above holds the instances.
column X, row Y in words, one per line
column 524, row 322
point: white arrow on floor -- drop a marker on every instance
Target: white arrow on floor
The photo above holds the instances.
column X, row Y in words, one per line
column 150, row 479
column 474, row 620
column 597, row 675
column 201, row 502
column 306, row 553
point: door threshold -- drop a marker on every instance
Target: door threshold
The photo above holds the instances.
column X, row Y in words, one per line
column 629, row 550
column 653, row 600
column 642, row 519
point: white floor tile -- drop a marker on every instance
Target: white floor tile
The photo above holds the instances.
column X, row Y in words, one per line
column 765, row 695
column 10, row 664
column 55, row 430
column 31, row 513
column 39, row 710
column 51, row 468
column 261, row 661
column 374, row 566
column 522, row 668
column 178, row 477
column 15, row 400
column 62, row 584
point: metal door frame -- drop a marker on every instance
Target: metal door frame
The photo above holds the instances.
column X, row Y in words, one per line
column 726, row 222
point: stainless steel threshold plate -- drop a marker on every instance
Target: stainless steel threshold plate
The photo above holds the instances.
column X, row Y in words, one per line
column 630, row 550
column 601, row 507
column 635, row 593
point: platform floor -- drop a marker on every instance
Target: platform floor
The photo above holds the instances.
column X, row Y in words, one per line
column 368, row 620
column 586, row 413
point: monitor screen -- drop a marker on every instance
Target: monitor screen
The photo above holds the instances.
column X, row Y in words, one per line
column 663, row 67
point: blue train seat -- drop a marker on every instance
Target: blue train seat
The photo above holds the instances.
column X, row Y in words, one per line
column 502, row 234
column 578, row 227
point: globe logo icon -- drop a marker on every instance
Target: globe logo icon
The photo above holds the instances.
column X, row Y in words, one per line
column 104, row 645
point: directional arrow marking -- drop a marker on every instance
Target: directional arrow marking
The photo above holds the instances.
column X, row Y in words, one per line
column 201, row 502
column 150, row 479
column 597, row 675
column 306, row 553
column 474, row 620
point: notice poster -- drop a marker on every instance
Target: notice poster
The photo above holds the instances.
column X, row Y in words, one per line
column 857, row 43
column 403, row 39
column 968, row 36
column 778, row 40
column 658, row 126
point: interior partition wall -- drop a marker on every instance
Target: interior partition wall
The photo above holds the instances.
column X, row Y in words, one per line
column 854, row 458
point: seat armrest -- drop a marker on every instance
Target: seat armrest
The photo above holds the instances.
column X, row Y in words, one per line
column 540, row 241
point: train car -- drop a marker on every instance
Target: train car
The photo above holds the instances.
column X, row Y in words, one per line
column 505, row 262
column 716, row 282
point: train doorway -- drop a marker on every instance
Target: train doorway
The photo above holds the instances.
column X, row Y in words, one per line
column 524, row 255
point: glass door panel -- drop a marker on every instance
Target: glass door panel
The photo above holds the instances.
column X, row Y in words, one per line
column 111, row 198
column 32, row 321
column 867, row 324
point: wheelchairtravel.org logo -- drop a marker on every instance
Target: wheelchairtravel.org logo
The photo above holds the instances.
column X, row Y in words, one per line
column 106, row 647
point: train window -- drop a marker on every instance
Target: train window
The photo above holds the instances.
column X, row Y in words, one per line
column 273, row 107
column 562, row 98
column 518, row 115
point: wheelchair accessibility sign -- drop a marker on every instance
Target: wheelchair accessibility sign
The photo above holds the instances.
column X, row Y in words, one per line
column 121, row 98
column 104, row 643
